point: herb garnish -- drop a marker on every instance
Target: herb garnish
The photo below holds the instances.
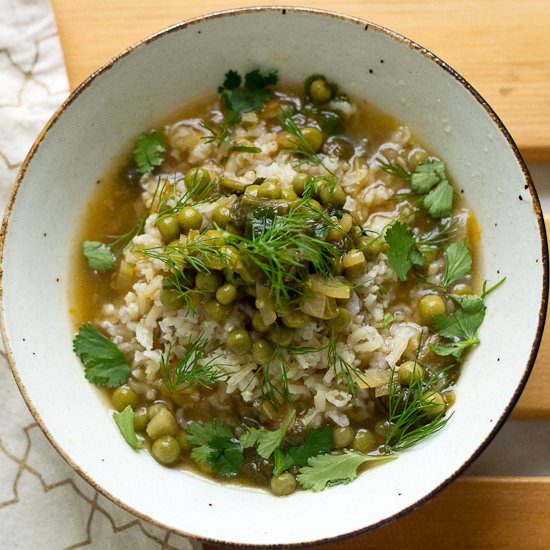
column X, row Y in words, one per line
column 125, row 422
column 334, row 469
column 410, row 415
column 192, row 369
column 99, row 255
column 317, row 441
column 344, row 372
column 403, row 252
column 267, row 441
column 148, row 151
column 428, row 177
column 215, row 445
column 458, row 262
column 104, row 363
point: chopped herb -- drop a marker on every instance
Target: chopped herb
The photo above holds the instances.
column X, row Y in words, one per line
column 245, row 149
column 215, row 445
column 250, row 97
column 192, row 369
column 148, row 151
column 334, row 469
column 317, row 441
column 458, row 262
column 427, row 174
column 104, row 363
column 387, row 320
column 267, row 441
column 99, row 255
column 125, row 422
column 439, row 201
column 396, row 170
column 344, row 372
column 403, row 253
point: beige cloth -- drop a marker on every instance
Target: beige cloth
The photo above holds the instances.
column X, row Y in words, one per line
column 43, row 503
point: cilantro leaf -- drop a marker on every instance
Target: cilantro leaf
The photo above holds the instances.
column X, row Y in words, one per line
column 125, row 422
column 267, row 441
column 148, row 151
column 215, row 446
column 439, row 201
column 99, row 255
column 402, row 251
column 252, row 95
column 458, row 262
column 332, row 469
column 456, row 349
column 317, row 441
column 426, row 175
column 104, row 363
column 464, row 322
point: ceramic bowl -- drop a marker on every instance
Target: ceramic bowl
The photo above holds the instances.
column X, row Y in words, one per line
column 135, row 91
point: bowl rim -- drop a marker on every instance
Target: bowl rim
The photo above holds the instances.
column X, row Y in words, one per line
column 367, row 25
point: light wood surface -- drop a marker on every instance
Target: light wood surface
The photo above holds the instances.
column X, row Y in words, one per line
column 501, row 46
column 482, row 513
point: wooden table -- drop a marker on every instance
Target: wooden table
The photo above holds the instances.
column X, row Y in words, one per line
column 503, row 48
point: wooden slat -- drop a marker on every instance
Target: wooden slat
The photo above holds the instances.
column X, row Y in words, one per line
column 473, row 513
column 500, row 46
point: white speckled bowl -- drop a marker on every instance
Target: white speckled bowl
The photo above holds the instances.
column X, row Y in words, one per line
column 137, row 89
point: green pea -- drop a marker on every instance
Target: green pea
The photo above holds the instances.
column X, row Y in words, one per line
column 332, row 196
column 462, row 289
column 163, row 423
column 221, row 215
column 169, row 228
column 182, row 440
column 226, row 294
column 239, row 341
column 314, row 138
column 262, row 351
column 171, row 298
column 189, row 218
column 320, row 91
column 258, row 322
column 330, row 122
column 416, row 157
column 209, row 281
column 288, row 194
column 364, row 441
column 197, row 178
column 434, row 404
column 410, row 372
column 216, row 311
column 233, row 185
column 430, row 306
column 341, row 321
column 154, row 409
column 283, row 484
column 252, row 190
column 343, row 437
column 270, row 189
column 338, row 146
column 296, row 319
column 124, row 396
column 299, row 182
column 141, row 419
column 166, row 449
column 280, row 335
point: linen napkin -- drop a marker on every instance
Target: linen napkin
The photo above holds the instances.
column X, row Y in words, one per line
column 43, row 503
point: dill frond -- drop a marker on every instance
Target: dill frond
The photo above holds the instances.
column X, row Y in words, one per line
column 395, row 169
column 191, row 370
column 345, row 373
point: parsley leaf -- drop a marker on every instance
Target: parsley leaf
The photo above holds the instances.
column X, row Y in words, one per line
column 267, row 441
column 104, row 363
column 332, row 469
column 125, row 422
column 252, row 95
column 215, row 446
column 148, row 151
column 99, row 255
column 402, row 251
column 458, row 262
column 439, row 201
column 426, row 175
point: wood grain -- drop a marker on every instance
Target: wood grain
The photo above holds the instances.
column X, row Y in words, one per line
column 482, row 513
column 501, row 46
